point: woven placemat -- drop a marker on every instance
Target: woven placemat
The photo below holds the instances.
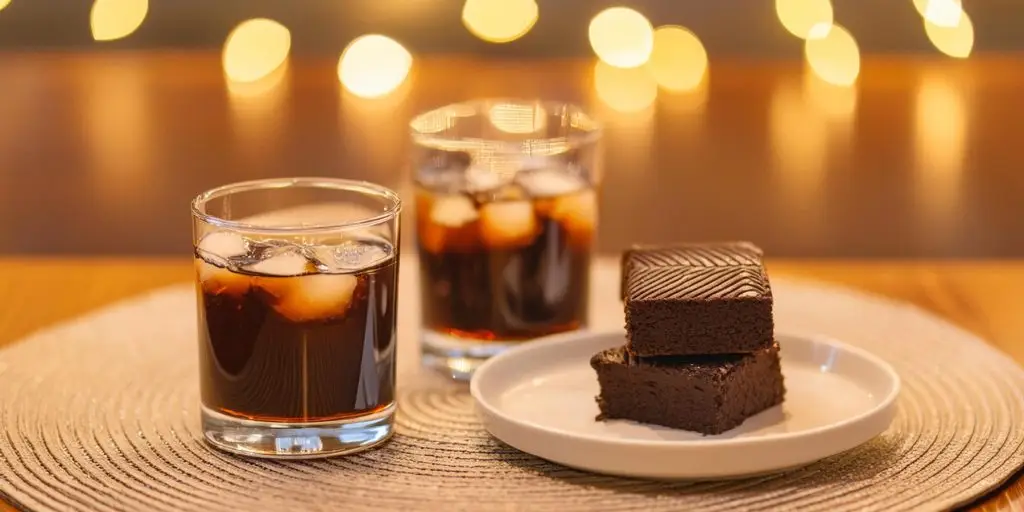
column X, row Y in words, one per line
column 101, row 414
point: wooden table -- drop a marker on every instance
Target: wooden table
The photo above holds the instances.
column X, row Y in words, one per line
column 980, row 296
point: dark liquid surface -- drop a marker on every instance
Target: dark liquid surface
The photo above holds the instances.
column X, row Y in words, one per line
column 258, row 363
column 510, row 293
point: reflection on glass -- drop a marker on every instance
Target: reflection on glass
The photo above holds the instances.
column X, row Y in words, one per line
column 802, row 17
column 373, row 66
column 940, row 123
column 621, row 37
column 254, row 49
column 834, row 56
column 499, row 22
column 954, row 40
column 624, row 90
column 115, row 19
column 678, row 61
column 518, row 118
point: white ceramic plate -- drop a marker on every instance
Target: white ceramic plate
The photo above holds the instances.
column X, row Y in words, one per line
column 539, row 398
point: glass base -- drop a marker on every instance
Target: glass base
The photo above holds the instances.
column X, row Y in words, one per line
column 271, row 440
column 459, row 357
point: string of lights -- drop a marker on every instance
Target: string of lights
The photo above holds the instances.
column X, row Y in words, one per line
column 673, row 56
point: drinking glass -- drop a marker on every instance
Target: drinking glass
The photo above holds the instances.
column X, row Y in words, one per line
column 506, row 210
column 297, row 285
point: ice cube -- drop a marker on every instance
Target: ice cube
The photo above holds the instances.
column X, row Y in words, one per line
column 448, row 180
column 310, row 297
column 550, row 182
column 577, row 213
column 221, row 246
column 287, row 261
column 507, row 224
column 219, row 280
column 452, row 211
column 446, row 222
column 436, row 239
column 485, row 178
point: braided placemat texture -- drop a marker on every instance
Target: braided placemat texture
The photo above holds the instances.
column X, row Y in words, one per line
column 101, row 413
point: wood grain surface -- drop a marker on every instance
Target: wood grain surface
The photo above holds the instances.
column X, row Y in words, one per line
column 980, row 296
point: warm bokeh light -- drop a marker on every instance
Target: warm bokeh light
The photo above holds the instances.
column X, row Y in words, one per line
column 799, row 137
column 940, row 136
column 678, row 61
column 4, row 3
column 115, row 19
column 939, row 116
column 270, row 84
column 803, row 141
column 518, row 118
column 691, row 104
column 624, row 89
column 120, row 131
column 836, row 102
column 944, row 13
column 499, row 21
column 955, row 41
column 375, row 128
column 373, row 65
column 254, row 49
column 805, row 18
column 259, row 114
column 621, row 37
column 835, row 57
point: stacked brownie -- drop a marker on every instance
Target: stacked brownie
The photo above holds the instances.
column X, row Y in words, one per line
column 700, row 352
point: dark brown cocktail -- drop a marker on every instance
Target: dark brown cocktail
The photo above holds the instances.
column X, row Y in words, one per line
column 296, row 285
column 303, row 343
column 505, row 218
column 505, row 269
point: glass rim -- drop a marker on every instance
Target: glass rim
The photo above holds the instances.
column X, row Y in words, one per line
column 394, row 206
column 480, row 106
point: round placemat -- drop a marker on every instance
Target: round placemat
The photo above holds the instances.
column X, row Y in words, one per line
column 101, row 413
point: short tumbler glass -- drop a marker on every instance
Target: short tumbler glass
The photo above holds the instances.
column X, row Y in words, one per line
column 506, row 211
column 297, row 285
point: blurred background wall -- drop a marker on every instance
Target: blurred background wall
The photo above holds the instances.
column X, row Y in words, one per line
column 727, row 27
column 899, row 138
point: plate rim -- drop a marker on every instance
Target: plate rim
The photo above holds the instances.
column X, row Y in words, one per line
column 882, row 407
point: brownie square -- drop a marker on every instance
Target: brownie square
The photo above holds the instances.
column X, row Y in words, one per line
column 706, row 394
column 711, row 254
column 686, row 309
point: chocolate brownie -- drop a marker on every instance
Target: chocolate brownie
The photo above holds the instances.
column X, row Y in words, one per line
column 706, row 394
column 711, row 254
column 689, row 300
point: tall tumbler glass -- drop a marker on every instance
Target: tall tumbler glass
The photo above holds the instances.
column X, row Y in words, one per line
column 297, row 285
column 505, row 216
